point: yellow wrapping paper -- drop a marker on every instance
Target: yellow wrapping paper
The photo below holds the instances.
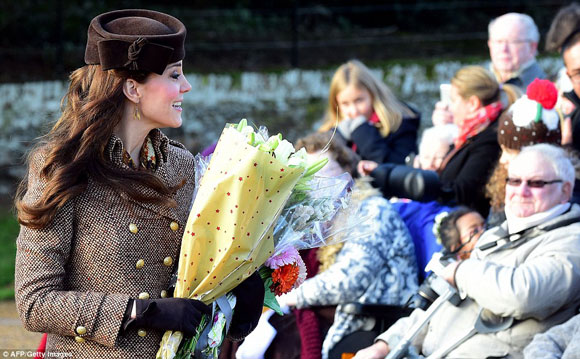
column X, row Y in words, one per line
column 228, row 235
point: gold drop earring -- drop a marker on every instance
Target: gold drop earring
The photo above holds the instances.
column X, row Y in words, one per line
column 136, row 113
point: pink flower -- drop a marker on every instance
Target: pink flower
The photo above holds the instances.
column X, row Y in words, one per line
column 302, row 273
column 288, row 256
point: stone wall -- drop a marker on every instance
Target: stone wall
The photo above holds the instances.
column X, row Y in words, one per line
column 291, row 102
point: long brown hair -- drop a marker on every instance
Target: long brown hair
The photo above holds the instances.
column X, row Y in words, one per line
column 74, row 149
column 387, row 107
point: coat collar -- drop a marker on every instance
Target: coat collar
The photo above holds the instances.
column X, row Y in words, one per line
column 115, row 147
column 498, row 237
column 114, row 153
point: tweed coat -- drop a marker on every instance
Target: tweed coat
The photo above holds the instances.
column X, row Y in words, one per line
column 75, row 277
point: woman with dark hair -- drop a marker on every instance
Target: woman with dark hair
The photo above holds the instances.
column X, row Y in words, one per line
column 107, row 197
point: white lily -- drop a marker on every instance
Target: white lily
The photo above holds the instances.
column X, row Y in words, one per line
column 247, row 130
column 283, row 151
column 298, row 159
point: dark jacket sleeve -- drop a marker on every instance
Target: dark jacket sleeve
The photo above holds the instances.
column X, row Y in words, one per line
column 461, row 182
column 407, row 182
column 392, row 149
column 469, row 184
column 467, row 173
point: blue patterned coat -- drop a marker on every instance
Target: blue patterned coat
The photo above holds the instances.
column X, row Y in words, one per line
column 560, row 342
column 377, row 265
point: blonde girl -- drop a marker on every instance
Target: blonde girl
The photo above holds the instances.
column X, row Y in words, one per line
column 369, row 116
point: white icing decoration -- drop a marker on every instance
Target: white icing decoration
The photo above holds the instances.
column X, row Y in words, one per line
column 524, row 111
column 551, row 119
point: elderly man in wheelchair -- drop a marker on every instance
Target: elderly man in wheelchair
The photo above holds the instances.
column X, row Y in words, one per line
column 522, row 278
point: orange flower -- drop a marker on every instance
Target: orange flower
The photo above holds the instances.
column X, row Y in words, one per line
column 283, row 278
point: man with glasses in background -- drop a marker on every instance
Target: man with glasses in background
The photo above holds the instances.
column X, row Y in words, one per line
column 527, row 268
column 513, row 45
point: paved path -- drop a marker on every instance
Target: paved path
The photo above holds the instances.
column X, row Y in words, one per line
column 12, row 334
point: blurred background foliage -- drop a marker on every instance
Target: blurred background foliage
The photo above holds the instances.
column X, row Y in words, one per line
column 45, row 39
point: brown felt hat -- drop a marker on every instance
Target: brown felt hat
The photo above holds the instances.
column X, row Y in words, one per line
column 142, row 40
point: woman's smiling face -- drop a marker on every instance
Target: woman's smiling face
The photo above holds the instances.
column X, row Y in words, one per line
column 161, row 97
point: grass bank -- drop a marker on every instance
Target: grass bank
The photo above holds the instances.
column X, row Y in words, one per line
column 8, row 234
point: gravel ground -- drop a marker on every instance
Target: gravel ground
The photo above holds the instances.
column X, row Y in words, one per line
column 12, row 334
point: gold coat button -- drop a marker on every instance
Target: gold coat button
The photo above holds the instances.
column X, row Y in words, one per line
column 141, row 333
column 81, row 330
column 167, row 261
column 140, row 263
column 79, row 339
column 163, row 294
column 133, row 228
column 174, row 226
column 144, row 295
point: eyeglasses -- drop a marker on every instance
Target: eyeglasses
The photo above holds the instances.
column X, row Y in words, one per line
column 575, row 78
column 509, row 42
column 516, row 182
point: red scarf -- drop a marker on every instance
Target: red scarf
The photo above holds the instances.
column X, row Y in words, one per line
column 374, row 118
column 475, row 124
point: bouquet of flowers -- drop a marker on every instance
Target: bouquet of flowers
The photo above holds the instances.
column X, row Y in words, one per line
column 255, row 203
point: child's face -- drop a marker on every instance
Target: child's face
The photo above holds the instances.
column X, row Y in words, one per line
column 354, row 101
column 470, row 227
column 431, row 154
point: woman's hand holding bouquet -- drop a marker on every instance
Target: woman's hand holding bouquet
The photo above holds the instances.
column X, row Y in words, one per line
column 257, row 202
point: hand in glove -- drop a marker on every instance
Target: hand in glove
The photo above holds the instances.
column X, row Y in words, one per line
column 180, row 314
column 249, row 303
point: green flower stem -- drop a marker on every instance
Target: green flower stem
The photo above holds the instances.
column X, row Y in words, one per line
column 187, row 348
column 315, row 167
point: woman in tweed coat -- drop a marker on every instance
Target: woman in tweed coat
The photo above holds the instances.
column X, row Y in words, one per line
column 106, row 200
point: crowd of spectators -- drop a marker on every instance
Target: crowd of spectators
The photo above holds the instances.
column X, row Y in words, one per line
column 491, row 188
column 480, row 219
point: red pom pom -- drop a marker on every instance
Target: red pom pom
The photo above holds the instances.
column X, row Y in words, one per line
column 544, row 92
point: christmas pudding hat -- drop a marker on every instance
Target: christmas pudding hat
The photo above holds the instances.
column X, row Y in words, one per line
column 532, row 118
